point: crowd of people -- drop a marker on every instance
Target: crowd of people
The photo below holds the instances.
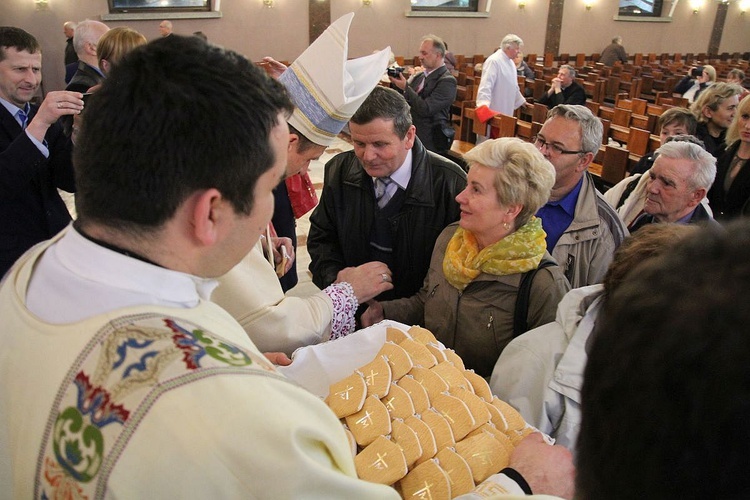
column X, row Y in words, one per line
column 143, row 325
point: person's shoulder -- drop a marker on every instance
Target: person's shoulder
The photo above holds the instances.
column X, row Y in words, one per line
column 443, row 166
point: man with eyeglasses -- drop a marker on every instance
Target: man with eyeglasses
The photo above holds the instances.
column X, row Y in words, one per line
column 583, row 230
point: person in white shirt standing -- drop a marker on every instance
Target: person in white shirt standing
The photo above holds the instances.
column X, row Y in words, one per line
column 498, row 88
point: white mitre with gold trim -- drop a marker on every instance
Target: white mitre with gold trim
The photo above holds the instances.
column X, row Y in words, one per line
column 326, row 88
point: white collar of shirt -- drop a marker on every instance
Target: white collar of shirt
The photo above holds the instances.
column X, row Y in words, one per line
column 401, row 176
column 77, row 279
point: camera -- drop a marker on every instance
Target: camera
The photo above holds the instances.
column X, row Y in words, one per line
column 696, row 72
column 394, row 72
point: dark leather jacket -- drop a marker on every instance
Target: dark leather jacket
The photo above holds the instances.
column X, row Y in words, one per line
column 342, row 222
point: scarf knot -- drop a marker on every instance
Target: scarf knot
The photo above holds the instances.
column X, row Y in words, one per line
column 518, row 252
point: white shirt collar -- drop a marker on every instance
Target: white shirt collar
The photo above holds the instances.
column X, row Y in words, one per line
column 98, row 280
column 402, row 176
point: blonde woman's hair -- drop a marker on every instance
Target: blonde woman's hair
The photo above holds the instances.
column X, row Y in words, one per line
column 711, row 72
column 733, row 132
column 522, row 175
column 117, row 42
column 712, row 97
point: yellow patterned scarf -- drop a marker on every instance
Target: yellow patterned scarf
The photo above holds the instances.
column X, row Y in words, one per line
column 518, row 252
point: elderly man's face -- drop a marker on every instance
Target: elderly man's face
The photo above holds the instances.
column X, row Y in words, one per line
column 380, row 150
column 564, row 76
column 165, row 28
column 669, row 195
column 429, row 56
column 512, row 50
column 20, row 76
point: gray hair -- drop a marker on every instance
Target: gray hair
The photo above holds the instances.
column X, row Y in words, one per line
column 591, row 127
column 509, row 40
column 704, row 162
column 88, row 31
column 522, row 175
column 617, row 39
column 571, row 69
column 437, row 43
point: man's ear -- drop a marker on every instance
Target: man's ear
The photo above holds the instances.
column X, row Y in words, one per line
column 585, row 161
column 208, row 213
column 293, row 142
column 696, row 197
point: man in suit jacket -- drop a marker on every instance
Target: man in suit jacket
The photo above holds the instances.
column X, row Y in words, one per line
column 88, row 74
column 35, row 156
column 564, row 89
column 430, row 95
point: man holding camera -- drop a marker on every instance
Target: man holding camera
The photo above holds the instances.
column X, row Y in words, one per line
column 430, row 95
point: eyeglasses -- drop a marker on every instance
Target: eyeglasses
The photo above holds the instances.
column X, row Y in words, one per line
column 540, row 143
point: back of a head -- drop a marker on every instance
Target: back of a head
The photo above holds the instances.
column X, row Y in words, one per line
column 12, row 37
column 175, row 116
column 666, row 389
column 88, row 31
column 652, row 240
column 117, row 42
column 386, row 104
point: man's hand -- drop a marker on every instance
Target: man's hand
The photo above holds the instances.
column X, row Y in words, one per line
column 399, row 82
column 556, row 85
column 273, row 67
column 368, row 280
column 373, row 314
column 283, row 254
column 56, row 104
column 548, row 469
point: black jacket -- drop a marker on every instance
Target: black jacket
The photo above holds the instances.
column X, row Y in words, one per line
column 342, row 221
column 729, row 204
column 84, row 78
column 31, row 209
column 430, row 109
column 573, row 94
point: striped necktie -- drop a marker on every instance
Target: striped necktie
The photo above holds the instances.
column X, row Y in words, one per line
column 23, row 117
column 381, row 190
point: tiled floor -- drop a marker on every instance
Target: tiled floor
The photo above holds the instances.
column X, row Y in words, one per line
column 305, row 286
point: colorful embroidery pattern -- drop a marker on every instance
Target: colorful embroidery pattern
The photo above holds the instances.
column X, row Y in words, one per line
column 111, row 387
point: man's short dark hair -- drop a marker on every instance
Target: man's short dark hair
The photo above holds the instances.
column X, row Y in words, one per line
column 18, row 39
column 666, row 389
column 175, row 116
column 303, row 143
column 387, row 104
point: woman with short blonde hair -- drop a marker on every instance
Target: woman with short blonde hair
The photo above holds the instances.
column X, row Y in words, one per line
column 470, row 293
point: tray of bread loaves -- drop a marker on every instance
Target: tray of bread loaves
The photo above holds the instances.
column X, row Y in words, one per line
column 416, row 418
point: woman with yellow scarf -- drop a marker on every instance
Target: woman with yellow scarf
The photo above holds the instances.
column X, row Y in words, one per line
column 469, row 294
